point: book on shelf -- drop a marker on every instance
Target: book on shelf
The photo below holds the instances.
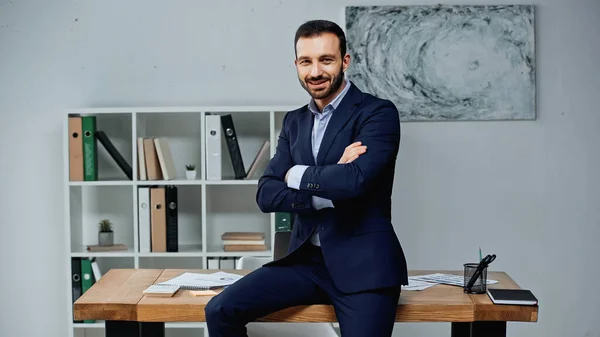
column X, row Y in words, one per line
column 112, row 248
column 155, row 161
column 243, row 241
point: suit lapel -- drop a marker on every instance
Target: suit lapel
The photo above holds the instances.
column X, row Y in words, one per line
column 305, row 132
column 339, row 118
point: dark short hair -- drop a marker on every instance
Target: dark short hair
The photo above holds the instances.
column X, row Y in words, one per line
column 317, row 27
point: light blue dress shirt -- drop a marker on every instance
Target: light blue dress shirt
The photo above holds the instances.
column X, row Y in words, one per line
column 319, row 125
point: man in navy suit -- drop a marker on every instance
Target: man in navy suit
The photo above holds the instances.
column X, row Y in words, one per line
column 334, row 170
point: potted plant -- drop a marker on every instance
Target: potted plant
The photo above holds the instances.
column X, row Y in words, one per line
column 190, row 171
column 105, row 235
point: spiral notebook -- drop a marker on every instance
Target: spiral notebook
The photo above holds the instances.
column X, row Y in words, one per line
column 197, row 281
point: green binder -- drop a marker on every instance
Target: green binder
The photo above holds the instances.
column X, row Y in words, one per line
column 90, row 148
column 87, row 279
column 283, row 222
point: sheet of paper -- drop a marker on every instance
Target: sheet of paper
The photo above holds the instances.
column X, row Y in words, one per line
column 190, row 280
column 414, row 285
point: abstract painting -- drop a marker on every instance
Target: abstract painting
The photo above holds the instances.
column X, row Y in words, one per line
column 446, row 62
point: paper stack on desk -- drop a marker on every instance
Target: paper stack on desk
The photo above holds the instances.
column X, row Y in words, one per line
column 197, row 281
column 414, row 284
column 450, row 279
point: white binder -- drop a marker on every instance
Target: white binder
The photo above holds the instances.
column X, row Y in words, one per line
column 214, row 154
column 144, row 219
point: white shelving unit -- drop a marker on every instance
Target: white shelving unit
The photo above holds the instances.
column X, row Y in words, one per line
column 206, row 209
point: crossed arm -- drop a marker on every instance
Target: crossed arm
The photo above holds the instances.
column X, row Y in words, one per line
column 352, row 176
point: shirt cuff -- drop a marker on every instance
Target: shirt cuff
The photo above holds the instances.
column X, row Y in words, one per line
column 319, row 202
column 295, row 176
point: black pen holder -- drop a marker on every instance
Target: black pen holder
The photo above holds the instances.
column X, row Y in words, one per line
column 480, row 284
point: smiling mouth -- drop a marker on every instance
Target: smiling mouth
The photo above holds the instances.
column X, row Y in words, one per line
column 318, row 83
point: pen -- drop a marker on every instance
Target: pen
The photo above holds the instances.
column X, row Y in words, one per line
column 482, row 265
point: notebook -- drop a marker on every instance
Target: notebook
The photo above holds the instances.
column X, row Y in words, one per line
column 197, row 281
column 512, row 296
column 161, row 291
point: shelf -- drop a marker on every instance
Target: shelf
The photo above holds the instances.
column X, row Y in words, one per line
column 96, row 325
column 196, row 182
column 124, row 253
column 232, row 182
column 205, row 208
column 217, row 251
column 184, row 251
column 102, row 183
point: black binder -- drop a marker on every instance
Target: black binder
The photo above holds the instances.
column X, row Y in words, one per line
column 114, row 153
column 76, row 280
column 171, row 221
column 234, row 148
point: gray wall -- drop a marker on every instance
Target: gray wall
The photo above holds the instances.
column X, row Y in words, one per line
column 527, row 191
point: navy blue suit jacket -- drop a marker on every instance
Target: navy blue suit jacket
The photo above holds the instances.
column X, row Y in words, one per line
column 359, row 245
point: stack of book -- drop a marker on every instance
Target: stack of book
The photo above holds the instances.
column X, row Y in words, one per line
column 243, row 241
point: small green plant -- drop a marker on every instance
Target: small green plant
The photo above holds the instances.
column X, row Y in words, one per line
column 105, row 226
column 190, row 167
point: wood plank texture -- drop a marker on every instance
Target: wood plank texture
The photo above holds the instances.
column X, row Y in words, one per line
column 118, row 295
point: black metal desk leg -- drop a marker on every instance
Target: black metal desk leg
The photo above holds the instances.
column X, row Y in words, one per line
column 479, row 329
column 134, row 329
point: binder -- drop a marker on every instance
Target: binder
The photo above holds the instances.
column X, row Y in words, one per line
column 114, row 153
column 90, row 148
column 76, row 281
column 171, row 218
column 144, row 219
column 213, row 147
column 283, row 221
column 87, row 279
column 75, row 149
column 158, row 219
column 233, row 146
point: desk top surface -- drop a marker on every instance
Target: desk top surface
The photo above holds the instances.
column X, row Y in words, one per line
column 118, row 295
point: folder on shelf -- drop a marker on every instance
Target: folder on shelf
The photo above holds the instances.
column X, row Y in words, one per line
column 171, row 218
column 87, row 279
column 76, row 281
column 233, row 146
column 75, row 149
column 158, row 219
column 144, row 219
column 114, row 153
column 90, row 148
column 213, row 147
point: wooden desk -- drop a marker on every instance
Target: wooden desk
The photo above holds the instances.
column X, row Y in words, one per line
column 117, row 298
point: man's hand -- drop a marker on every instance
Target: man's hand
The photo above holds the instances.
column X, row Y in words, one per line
column 352, row 152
